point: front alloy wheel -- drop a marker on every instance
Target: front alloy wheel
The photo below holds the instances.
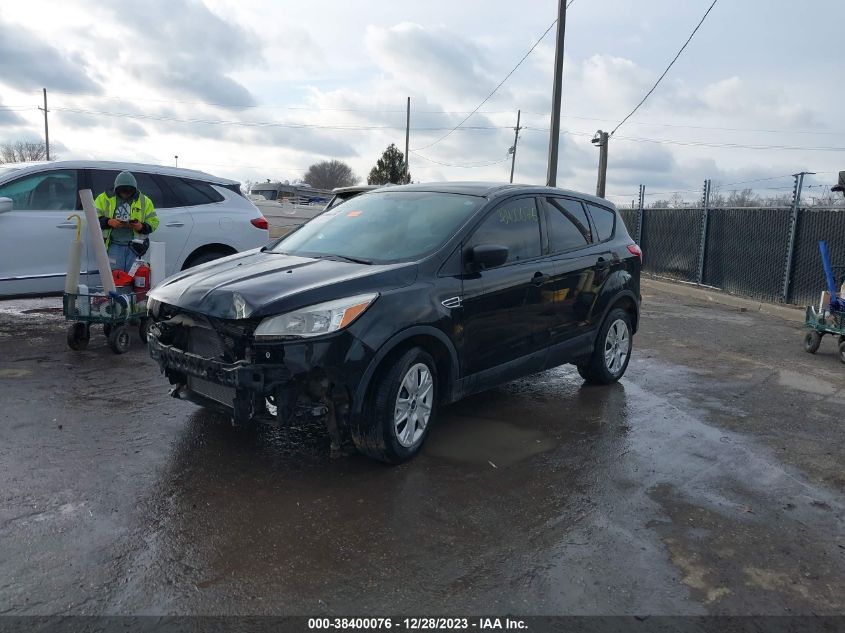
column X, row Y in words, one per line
column 401, row 408
column 414, row 403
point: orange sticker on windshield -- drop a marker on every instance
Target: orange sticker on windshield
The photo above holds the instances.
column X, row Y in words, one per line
column 353, row 214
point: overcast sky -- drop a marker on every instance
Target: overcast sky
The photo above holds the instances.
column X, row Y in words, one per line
column 221, row 82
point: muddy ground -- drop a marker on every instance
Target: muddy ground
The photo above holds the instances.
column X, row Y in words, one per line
column 710, row 480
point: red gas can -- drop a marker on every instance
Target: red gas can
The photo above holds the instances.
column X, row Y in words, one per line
column 141, row 282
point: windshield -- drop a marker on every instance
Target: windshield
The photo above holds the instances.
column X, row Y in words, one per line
column 383, row 227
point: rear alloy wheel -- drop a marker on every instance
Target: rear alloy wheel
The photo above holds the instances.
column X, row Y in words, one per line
column 612, row 350
column 812, row 341
column 401, row 411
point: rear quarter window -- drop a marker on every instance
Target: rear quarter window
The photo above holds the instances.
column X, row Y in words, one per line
column 604, row 220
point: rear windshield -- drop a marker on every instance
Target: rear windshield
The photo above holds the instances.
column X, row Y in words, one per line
column 383, row 227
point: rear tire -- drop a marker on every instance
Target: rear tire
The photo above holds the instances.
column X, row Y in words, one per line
column 812, row 340
column 401, row 409
column 204, row 258
column 612, row 350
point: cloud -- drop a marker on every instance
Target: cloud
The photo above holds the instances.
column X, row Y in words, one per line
column 81, row 120
column 436, row 60
column 184, row 49
column 9, row 118
column 30, row 63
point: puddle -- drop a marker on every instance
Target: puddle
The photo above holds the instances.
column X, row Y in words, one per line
column 484, row 441
column 804, row 382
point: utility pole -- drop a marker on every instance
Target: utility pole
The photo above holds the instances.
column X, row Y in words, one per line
column 177, row 160
column 515, row 141
column 601, row 140
column 793, row 229
column 407, row 177
column 554, row 132
column 46, row 128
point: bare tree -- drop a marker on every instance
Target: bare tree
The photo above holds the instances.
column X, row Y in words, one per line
column 23, row 152
column 743, row 198
column 328, row 174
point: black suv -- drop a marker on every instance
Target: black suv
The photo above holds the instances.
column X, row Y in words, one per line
column 400, row 300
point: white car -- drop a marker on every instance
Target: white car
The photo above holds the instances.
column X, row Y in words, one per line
column 202, row 217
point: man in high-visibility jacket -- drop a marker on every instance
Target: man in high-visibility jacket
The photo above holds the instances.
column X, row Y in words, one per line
column 126, row 215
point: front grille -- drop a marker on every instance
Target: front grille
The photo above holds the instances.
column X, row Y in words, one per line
column 218, row 393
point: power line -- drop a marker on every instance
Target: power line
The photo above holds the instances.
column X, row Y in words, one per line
column 672, row 63
column 283, row 124
column 461, row 165
column 478, row 107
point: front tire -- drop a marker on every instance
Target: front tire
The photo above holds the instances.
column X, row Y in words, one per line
column 612, row 350
column 401, row 409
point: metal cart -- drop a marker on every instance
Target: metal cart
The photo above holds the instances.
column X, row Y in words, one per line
column 115, row 312
column 830, row 318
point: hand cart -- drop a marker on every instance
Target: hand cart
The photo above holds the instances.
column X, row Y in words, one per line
column 116, row 312
column 830, row 318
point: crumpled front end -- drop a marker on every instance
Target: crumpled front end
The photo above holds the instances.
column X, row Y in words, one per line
column 218, row 364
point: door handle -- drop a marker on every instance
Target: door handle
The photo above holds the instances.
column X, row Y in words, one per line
column 66, row 225
column 175, row 224
column 539, row 279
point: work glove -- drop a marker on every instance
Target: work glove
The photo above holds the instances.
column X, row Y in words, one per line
column 114, row 224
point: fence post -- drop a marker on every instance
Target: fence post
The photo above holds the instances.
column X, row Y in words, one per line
column 702, row 245
column 640, row 216
column 793, row 229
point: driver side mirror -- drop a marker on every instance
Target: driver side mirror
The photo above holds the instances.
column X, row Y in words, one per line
column 488, row 256
column 5, row 205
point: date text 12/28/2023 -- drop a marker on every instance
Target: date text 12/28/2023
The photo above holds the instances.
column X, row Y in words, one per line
column 417, row 624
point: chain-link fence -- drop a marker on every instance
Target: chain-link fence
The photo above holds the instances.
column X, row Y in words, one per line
column 741, row 250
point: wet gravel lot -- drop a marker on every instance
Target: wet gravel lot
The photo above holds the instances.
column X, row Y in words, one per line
column 710, row 480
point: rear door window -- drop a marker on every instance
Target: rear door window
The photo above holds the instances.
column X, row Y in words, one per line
column 51, row 190
column 515, row 224
column 191, row 193
column 567, row 225
column 604, row 220
column 102, row 180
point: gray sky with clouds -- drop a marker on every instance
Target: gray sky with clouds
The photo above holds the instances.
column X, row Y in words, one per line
column 256, row 89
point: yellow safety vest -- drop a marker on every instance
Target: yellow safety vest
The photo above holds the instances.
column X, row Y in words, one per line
column 141, row 210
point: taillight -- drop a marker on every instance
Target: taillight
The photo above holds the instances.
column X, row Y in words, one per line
column 635, row 250
column 260, row 223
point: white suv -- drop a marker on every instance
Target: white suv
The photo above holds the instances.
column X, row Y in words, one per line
column 202, row 217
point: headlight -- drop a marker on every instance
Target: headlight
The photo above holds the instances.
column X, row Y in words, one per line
column 316, row 320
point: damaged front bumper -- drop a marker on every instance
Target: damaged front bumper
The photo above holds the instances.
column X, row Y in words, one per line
column 270, row 382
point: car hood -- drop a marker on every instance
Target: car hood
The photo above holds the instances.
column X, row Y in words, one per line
column 256, row 284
